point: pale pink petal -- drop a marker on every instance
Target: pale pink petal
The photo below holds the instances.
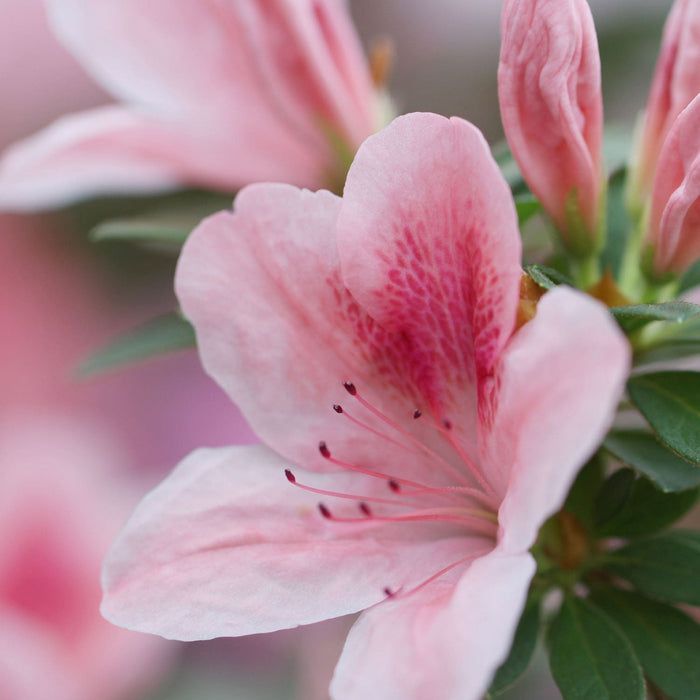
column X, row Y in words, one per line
column 282, row 78
column 226, row 546
column 676, row 83
column 115, row 150
column 429, row 245
column 441, row 642
column 551, row 106
column 555, row 395
column 674, row 221
column 300, row 58
column 279, row 331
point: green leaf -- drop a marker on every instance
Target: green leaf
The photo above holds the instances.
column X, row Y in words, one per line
column 141, row 230
column 522, row 651
column 546, row 277
column 665, row 640
column 162, row 334
column 634, row 317
column 670, row 401
column 630, row 506
column 527, row 206
column 642, row 451
column 666, row 567
column 618, row 224
column 582, row 495
column 590, row 657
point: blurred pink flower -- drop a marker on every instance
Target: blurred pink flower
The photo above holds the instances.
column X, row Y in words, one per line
column 673, row 238
column 217, row 95
column 59, row 312
column 676, row 83
column 60, row 505
column 552, row 111
column 458, row 438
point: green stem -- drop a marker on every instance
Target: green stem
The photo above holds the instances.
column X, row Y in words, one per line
column 586, row 271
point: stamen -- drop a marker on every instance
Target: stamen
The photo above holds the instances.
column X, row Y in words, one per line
column 324, row 511
column 347, row 496
column 483, row 519
column 365, row 509
column 337, row 408
column 394, row 485
column 448, row 492
column 446, row 467
column 440, row 573
column 446, row 431
column 417, row 414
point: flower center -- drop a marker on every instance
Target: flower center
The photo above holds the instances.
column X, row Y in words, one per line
column 459, row 505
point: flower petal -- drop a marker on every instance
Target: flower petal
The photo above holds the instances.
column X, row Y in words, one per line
column 115, row 150
column 551, row 104
column 556, row 392
column 266, row 69
column 279, row 331
column 429, row 245
column 676, row 83
column 441, row 642
column 674, row 219
column 226, row 546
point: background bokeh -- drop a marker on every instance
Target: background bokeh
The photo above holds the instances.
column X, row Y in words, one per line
column 63, row 297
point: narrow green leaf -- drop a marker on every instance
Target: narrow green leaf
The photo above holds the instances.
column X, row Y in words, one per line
column 665, row 640
column 140, row 230
column 668, row 349
column 665, row 567
column 618, row 224
column 546, row 277
column 636, row 316
column 162, row 334
column 630, row 506
column 527, row 206
column 522, row 651
column 670, row 401
column 590, row 657
column 642, row 451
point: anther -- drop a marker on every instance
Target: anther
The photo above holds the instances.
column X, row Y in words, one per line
column 350, row 388
column 393, row 485
column 365, row 509
column 325, row 512
column 337, row 408
column 290, row 476
column 417, row 414
column 447, row 424
column 388, row 592
column 323, row 449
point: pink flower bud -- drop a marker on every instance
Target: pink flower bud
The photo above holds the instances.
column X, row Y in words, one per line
column 552, row 111
column 676, row 83
column 673, row 236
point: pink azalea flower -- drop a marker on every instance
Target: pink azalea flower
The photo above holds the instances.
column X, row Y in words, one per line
column 674, row 221
column 216, row 95
column 676, row 83
column 372, row 344
column 59, row 508
column 552, row 110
